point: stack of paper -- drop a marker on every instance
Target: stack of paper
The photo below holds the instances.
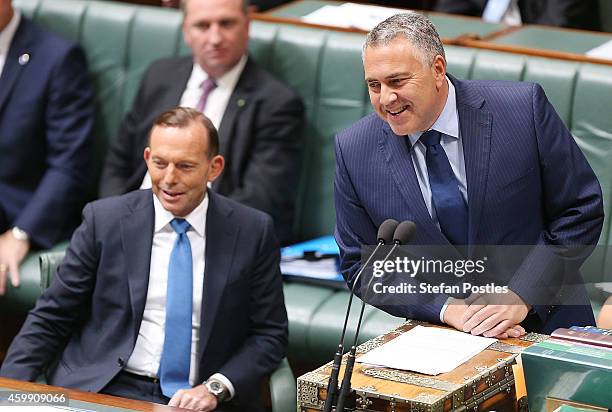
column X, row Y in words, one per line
column 360, row 16
column 603, row 51
column 427, row 350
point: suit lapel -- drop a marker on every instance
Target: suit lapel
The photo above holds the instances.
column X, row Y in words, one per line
column 475, row 124
column 399, row 161
column 137, row 253
column 178, row 82
column 239, row 100
column 14, row 64
column 221, row 239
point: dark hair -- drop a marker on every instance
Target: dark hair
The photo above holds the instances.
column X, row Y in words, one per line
column 183, row 117
column 414, row 27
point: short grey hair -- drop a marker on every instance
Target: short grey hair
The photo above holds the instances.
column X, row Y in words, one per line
column 414, row 27
column 244, row 6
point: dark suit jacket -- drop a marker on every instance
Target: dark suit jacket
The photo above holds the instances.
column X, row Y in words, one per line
column 46, row 122
column 91, row 313
column 528, row 184
column 578, row 14
column 260, row 138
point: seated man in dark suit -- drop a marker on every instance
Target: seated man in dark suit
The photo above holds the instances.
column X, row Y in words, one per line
column 258, row 118
column 46, row 122
column 167, row 295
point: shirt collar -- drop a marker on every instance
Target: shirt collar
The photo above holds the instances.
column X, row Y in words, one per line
column 448, row 121
column 227, row 81
column 197, row 217
column 6, row 35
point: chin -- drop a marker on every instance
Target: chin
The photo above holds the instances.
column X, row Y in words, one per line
column 401, row 130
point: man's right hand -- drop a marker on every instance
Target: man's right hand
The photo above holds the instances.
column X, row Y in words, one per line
column 455, row 316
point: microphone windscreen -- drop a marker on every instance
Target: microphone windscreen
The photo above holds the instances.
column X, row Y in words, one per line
column 405, row 232
column 386, row 231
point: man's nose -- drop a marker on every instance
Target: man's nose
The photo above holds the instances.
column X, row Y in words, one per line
column 216, row 34
column 170, row 176
column 387, row 95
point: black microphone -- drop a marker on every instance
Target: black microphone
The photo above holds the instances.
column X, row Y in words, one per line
column 403, row 234
column 385, row 235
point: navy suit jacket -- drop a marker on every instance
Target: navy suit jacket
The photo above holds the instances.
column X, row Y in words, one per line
column 528, row 184
column 88, row 319
column 260, row 137
column 46, row 140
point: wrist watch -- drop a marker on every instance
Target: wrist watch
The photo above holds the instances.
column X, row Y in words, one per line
column 20, row 234
column 217, row 388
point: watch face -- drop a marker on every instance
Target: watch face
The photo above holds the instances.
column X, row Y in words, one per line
column 216, row 387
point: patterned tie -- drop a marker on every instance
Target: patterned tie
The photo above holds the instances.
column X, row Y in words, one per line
column 207, row 86
column 176, row 355
column 450, row 207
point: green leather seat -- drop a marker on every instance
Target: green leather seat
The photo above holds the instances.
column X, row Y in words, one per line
column 283, row 389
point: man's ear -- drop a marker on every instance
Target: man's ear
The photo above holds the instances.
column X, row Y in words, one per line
column 217, row 164
column 439, row 69
column 147, row 154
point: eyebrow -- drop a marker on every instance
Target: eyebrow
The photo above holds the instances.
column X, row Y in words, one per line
column 391, row 76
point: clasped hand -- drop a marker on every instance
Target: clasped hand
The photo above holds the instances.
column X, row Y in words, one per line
column 489, row 315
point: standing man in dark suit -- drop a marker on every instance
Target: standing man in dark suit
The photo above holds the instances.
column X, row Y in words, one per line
column 472, row 163
column 170, row 295
column 46, row 121
column 577, row 14
column 258, row 118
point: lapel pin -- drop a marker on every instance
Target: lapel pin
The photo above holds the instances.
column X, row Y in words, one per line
column 241, row 102
column 24, row 59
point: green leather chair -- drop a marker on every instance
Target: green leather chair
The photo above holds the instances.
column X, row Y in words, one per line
column 283, row 389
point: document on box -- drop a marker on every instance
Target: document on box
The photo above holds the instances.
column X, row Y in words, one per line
column 427, row 350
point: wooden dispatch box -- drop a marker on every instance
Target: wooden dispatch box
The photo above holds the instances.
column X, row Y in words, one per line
column 484, row 383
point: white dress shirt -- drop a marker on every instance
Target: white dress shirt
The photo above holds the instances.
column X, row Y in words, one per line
column 6, row 37
column 146, row 357
column 217, row 100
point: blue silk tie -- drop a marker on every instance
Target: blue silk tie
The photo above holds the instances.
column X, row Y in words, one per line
column 176, row 355
column 450, row 206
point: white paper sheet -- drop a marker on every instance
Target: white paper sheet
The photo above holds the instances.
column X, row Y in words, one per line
column 326, row 16
column 603, row 51
column 361, row 16
column 427, row 350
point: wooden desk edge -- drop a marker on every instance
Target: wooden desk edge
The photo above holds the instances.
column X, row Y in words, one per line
column 95, row 398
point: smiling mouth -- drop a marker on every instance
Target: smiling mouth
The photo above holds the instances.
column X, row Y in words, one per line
column 401, row 110
column 171, row 195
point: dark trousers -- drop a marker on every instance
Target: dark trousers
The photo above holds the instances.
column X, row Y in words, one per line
column 128, row 385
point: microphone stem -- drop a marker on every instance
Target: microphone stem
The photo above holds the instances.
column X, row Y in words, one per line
column 332, row 384
column 350, row 362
